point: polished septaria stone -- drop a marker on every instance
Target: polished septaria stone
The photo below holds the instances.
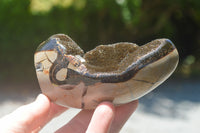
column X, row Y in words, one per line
column 119, row 73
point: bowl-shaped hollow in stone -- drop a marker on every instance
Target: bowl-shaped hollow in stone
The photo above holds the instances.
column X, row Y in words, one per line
column 120, row 72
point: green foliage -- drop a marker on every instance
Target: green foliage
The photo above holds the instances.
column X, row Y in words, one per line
column 26, row 23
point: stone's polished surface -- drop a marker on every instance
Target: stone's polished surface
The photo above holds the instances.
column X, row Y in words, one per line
column 120, row 72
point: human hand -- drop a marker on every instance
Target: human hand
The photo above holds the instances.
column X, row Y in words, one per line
column 32, row 117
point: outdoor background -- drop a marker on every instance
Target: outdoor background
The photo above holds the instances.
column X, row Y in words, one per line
column 24, row 24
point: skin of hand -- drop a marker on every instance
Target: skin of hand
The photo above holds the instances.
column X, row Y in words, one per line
column 32, row 117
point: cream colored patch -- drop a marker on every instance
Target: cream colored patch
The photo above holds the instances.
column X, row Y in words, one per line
column 39, row 56
column 61, row 75
column 48, row 55
column 46, row 59
column 51, row 55
column 80, row 58
column 71, row 66
column 46, row 64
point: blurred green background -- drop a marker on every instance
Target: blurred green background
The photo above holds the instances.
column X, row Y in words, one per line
column 24, row 24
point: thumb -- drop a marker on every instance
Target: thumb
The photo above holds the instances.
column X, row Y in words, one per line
column 27, row 118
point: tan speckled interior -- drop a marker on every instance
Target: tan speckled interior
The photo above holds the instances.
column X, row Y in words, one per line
column 115, row 58
column 108, row 58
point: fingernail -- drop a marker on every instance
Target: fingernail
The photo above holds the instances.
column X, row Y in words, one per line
column 41, row 97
